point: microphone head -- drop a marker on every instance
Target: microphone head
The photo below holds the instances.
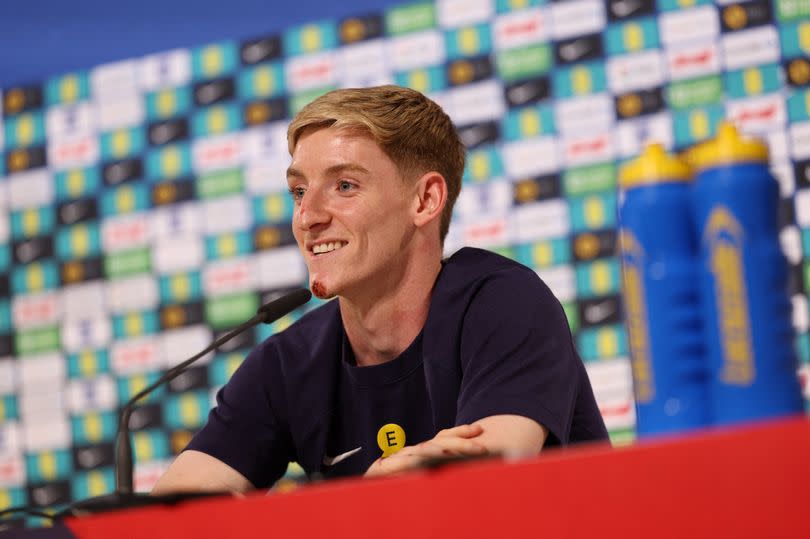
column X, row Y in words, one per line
column 272, row 311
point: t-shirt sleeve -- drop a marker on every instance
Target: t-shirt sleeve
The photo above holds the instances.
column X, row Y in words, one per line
column 517, row 356
column 242, row 431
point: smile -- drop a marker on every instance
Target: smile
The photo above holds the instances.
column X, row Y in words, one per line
column 322, row 248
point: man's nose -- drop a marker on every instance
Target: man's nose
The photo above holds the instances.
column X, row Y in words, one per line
column 313, row 211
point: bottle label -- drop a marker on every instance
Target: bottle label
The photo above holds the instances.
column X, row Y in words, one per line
column 724, row 238
column 636, row 316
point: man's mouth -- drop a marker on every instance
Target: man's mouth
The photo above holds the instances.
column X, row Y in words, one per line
column 322, row 248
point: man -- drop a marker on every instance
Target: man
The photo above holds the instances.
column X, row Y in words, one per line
column 418, row 357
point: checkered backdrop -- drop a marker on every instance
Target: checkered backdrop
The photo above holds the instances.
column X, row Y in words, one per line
column 143, row 205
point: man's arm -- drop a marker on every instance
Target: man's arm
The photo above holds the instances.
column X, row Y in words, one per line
column 510, row 435
column 194, row 471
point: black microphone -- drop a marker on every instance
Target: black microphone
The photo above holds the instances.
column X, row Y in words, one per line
column 123, row 496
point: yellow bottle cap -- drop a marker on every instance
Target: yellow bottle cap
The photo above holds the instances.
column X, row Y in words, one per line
column 654, row 165
column 727, row 148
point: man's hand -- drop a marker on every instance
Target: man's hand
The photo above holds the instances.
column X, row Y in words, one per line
column 458, row 441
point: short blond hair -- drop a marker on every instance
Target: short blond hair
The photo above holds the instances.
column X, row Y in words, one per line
column 412, row 130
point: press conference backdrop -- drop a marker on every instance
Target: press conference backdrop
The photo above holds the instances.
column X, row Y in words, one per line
column 144, row 206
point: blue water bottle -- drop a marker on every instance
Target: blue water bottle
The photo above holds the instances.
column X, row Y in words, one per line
column 744, row 281
column 661, row 295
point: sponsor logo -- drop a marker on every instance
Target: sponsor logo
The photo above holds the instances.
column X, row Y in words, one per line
column 468, row 70
column 750, row 47
column 524, row 63
column 191, row 379
column 535, row 189
column 590, row 179
column 475, row 135
column 123, row 171
column 598, row 311
column 132, row 294
column 260, row 50
column 137, row 355
column 633, row 262
column 363, row 61
column 486, row 231
column 561, row 280
column 123, row 112
column 583, row 149
column 791, row 10
column 540, row 220
column 454, row 13
column 635, row 71
column 35, row 310
column 577, row 17
column 279, row 268
column 527, row 92
column 228, row 276
column 691, row 93
column 623, row 9
column 798, row 71
column 21, row 99
column 178, row 253
column 305, row 72
column 356, row 29
column 476, row 102
column 578, row 49
column 73, row 152
column 124, row 232
column 25, row 159
column 171, row 68
column 723, row 237
column 758, row 114
column 531, row 157
column 416, row 50
column 584, row 113
column 160, row 133
column 633, row 104
column 410, row 18
column 520, row 28
column 109, row 82
column 217, row 152
column 225, row 311
column 213, row 91
column 745, row 15
column 593, row 244
column 31, row 250
column 69, row 121
column 696, row 24
column 82, row 333
column 800, row 140
column 633, row 135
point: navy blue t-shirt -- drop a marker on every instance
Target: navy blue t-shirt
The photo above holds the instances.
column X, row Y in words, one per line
column 496, row 341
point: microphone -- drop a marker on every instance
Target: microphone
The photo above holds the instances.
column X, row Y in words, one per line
column 123, row 496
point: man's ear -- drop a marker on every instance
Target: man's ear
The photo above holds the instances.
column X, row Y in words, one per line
column 430, row 198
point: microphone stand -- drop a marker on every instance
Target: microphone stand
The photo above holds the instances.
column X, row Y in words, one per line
column 124, row 496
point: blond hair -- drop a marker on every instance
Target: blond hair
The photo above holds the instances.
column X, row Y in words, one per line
column 412, row 130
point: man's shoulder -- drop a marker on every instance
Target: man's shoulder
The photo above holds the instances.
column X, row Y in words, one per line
column 470, row 268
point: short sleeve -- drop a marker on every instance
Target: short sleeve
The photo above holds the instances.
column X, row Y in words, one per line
column 242, row 431
column 517, row 355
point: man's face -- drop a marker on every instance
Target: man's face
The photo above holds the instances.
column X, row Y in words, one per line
column 352, row 213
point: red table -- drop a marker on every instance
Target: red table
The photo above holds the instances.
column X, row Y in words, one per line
column 743, row 482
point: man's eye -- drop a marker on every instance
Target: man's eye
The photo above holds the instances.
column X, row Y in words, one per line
column 345, row 186
column 297, row 192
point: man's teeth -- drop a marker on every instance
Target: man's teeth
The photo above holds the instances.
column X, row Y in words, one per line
column 327, row 247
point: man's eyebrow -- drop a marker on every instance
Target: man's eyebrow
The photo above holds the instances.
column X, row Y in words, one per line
column 331, row 171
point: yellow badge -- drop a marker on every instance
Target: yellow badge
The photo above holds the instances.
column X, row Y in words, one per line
column 390, row 438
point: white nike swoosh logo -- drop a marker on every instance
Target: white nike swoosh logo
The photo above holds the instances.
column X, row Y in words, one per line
column 574, row 50
column 625, row 7
column 331, row 461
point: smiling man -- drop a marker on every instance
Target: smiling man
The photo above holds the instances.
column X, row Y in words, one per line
column 418, row 357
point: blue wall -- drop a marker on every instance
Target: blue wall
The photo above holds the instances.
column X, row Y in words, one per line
column 40, row 38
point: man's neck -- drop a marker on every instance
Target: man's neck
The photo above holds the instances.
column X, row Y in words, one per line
column 381, row 328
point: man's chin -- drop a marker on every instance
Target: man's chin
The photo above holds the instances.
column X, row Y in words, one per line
column 321, row 290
